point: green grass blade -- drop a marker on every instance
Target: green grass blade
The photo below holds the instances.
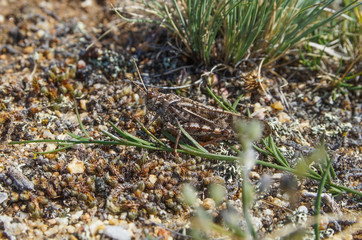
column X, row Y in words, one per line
column 77, row 137
column 40, row 141
column 273, row 151
column 110, row 135
column 225, row 105
column 201, row 148
column 318, row 201
column 150, row 134
column 56, row 150
column 79, row 121
column 129, row 136
column 237, row 102
column 181, row 144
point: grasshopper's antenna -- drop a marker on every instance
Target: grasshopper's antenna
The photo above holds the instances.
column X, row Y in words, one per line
column 139, row 75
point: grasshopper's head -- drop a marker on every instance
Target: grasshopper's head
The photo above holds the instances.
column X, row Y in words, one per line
column 154, row 100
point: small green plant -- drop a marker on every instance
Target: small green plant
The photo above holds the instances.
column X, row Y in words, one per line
column 341, row 84
column 310, row 59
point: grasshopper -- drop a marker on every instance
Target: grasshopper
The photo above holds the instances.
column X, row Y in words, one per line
column 201, row 121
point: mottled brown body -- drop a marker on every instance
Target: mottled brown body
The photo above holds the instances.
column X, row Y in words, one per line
column 202, row 122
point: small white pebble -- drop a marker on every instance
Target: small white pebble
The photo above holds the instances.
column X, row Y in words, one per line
column 95, row 226
column 257, row 223
column 268, row 212
column 116, row 232
column 81, row 64
column 76, row 215
column 83, row 104
column 76, row 166
column 303, row 209
column 286, row 196
column 48, row 135
column 86, row 3
column 3, row 197
column 40, row 33
column 152, row 178
column 62, row 220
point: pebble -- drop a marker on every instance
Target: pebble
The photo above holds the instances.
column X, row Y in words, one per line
column 268, row 212
column 29, row 50
column 303, row 209
column 277, row 106
column 71, row 229
column 152, row 178
column 76, row 166
column 86, row 3
column 257, row 223
column 52, row 221
column 116, row 232
column 20, row 180
column 83, row 104
column 71, row 117
column 52, row 231
column 11, row 227
column 81, row 64
column 40, row 33
column 96, row 225
column 3, row 197
column 62, row 220
column 286, row 196
column 283, row 117
column 76, row 215
column 48, row 135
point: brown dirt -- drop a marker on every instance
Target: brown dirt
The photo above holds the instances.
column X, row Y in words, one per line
column 47, row 60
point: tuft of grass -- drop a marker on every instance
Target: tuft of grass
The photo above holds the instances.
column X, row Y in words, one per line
column 334, row 49
column 233, row 30
column 341, row 84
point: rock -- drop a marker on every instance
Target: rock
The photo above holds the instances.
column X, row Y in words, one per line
column 3, row 197
column 76, row 166
column 117, row 232
column 21, row 181
column 277, row 106
column 48, row 135
column 283, row 117
column 83, row 104
column 152, row 178
column 12, row 228
column 74, row 217
column 95, row 226
column 303, row 209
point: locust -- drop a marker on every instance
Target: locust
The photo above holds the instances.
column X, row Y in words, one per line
column 202, row 122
